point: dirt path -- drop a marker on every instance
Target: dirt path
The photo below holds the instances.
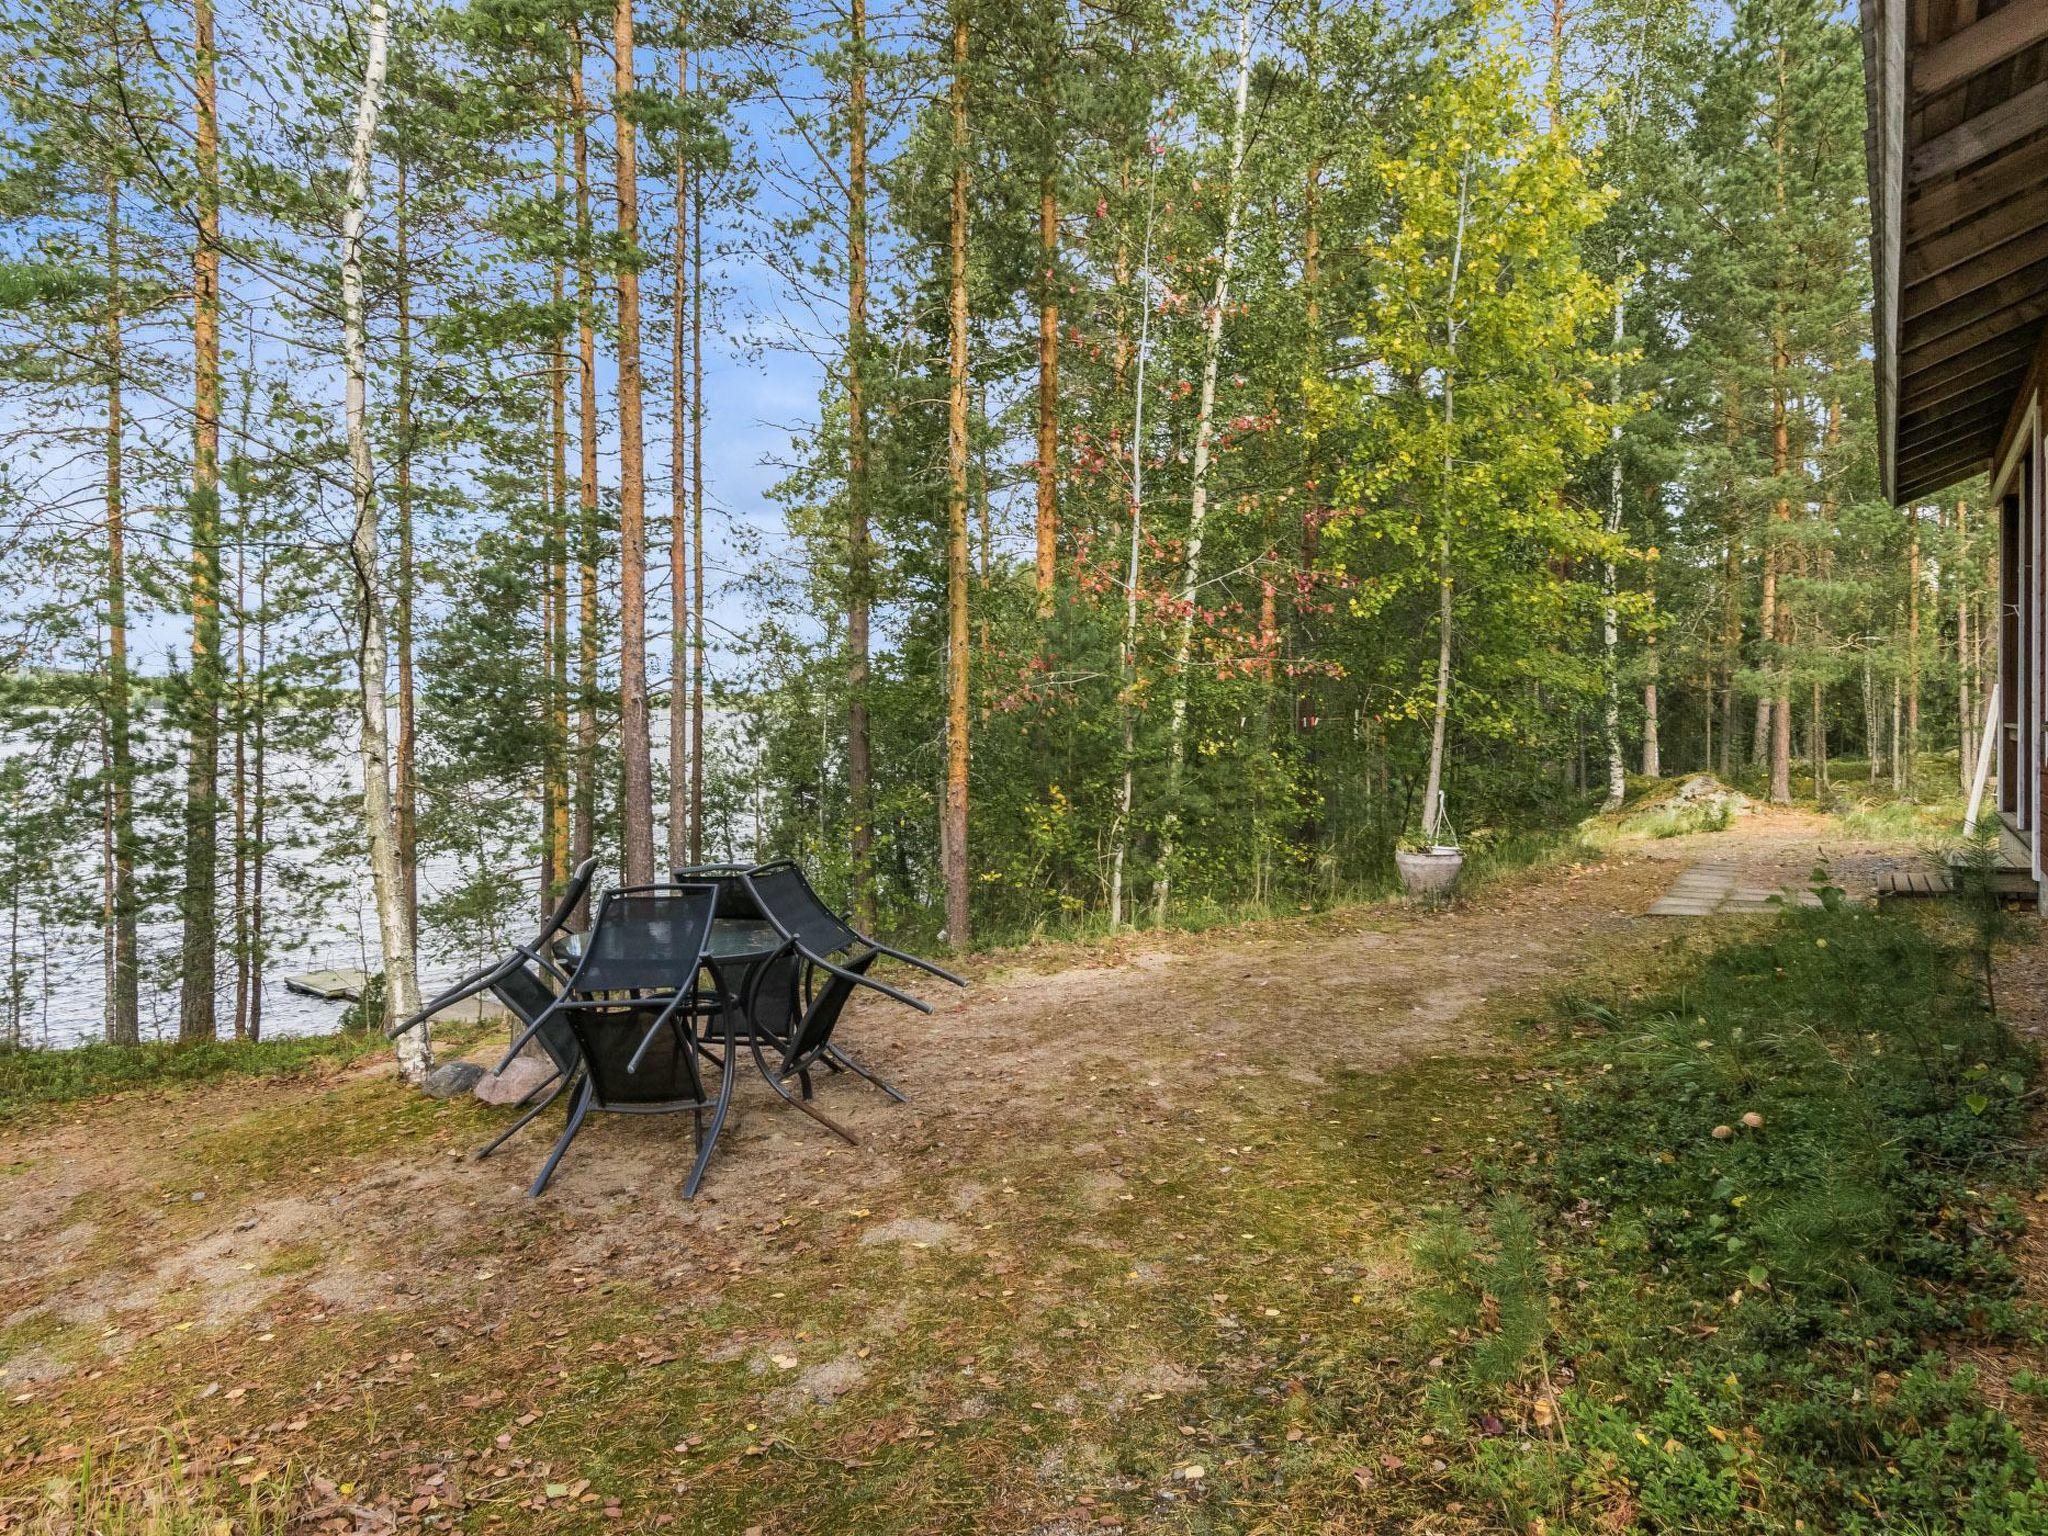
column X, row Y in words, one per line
column 225, row 1257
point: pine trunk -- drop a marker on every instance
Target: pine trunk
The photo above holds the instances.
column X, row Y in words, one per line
column 1777, row 627
column 957, row 658
column 636, row 789
column 1731, row 653
column 697, row 517
column 583, row 816
column 401, row 986
column 555, row 797
column 123, row 1012
column 1966, row 672
column 679, row 512
column 1305, row 709
column 1048, row 388
column 202, row 770
column 860, row 794
column 1912, row 647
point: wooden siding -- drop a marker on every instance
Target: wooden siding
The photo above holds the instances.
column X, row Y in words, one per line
column 1957, row 92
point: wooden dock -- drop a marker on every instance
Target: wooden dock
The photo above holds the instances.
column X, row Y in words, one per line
column 329, row 986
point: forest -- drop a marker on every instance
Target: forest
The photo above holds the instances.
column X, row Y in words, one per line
column 1048, row 467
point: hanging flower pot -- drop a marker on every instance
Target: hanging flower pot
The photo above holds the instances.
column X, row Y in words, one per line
column 1429, row 866
column 1429, row 871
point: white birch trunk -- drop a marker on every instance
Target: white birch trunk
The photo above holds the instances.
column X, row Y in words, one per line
column 1439, row 727
column 1127, row 709
column 1198, row 504
column 1610, row 620
column 401, row 982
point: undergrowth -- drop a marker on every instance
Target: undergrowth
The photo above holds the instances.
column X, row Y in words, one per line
column 32, row 1078
column 1681, row 820
column 1715, row 1297
column 154, row 1491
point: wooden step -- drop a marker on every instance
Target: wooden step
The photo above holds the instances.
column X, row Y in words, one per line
column 2005, row 883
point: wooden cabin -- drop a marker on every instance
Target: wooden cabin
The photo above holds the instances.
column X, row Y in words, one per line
column 1957, row 96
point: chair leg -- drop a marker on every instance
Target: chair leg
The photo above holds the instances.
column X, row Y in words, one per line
column 555, row 1085
column 834, row 1054
column 812, row 1110
column 547, row 1170
column 532, row 1094
column 709, row 1140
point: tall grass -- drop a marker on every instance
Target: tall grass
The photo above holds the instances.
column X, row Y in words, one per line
column 153, row 1491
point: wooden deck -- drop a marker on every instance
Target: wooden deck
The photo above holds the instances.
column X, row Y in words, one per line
column 2006, row 883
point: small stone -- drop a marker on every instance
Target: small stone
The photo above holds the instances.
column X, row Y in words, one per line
column 198, row 1195
column 446, row 1082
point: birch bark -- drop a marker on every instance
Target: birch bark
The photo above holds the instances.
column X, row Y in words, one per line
column 401, row 985
column 1198, row 504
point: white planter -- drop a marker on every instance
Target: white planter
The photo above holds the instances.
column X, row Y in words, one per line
column 1428, row 871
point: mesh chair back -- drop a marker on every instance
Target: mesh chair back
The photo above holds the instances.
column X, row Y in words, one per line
column 733, row 900
column 647, row 939
column 787, row 899
column 814, row 1028
column 528, row 997
column 559, row 920
column 667, row 1074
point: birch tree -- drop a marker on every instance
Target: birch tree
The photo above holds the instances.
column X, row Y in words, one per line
column 1198, row 499
column 373, row 660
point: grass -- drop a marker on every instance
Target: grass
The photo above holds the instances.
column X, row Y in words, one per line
column 1902, row 820
column 152, row 1489
column 1776, row 1188
column 1679, row 820
column 36, row 1079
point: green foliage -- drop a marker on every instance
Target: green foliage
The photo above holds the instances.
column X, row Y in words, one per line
column 365, row 1016
column 1772, row 1187
column 1680, row 820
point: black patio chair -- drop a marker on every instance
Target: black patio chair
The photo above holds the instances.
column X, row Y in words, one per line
column 631, row 1005
column 529, row 998
column 537, row 952
column 527, row 980
column 797, row 1011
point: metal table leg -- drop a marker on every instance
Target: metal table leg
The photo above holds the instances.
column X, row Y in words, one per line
column 727, row 1069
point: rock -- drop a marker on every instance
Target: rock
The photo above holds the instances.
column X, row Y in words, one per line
column 1705, row 789
column 521, row 1077
column 455, row 1078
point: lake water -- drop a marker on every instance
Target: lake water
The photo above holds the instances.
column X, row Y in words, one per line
column 63, row 966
